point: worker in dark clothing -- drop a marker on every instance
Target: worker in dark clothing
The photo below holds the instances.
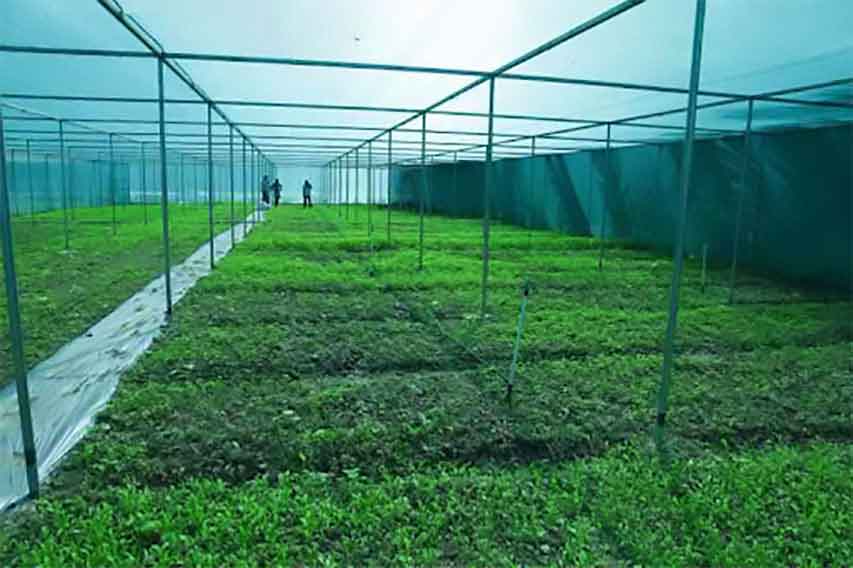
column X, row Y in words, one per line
column 276, row 191
column 265, row 190
column 306, row 194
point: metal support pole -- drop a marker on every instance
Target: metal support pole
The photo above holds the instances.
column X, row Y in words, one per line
column 112, row 184
column 357, row 175
column 251, row 185
column 71, row 185
column 153, row 173
column 164, row 191
column 245, row 201
column 195, row 181
column 256, row 182
column 347, row 169
column 455, row 174
column 63, row 185
column 519, row 330
column 16, row 333
column 13, row 183
column 30, row 183
column 388, row 204
column 529, row 208
column 607, row 178
column 183, row 184
column 144, row 188
column 422, row 192
column 369, row 188
column 47, row 181
column 486, row 189
column 704, row 279
column 97, row 164
column 744, row 176
column 231, row 168
column 686, row 174
column 210, row 182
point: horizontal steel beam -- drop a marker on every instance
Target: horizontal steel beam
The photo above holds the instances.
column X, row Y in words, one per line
column 354, row 65
column 271, row 104
column 305, row 126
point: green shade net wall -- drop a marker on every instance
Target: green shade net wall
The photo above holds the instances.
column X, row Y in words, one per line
column 36, row 185
column 796, row 209
column 89, row 183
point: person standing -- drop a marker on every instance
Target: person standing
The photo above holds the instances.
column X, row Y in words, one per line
column 276, row 191
column 265, row 190
column 306, row 194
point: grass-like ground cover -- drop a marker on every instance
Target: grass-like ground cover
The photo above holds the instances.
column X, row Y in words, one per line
column 313, row 402
column 62, row 293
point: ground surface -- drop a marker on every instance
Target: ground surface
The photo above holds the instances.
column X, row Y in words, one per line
column 62, row 293
column 318, row 400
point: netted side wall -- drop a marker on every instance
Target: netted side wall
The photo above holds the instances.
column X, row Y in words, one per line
column 796, row 211
column 37, row 186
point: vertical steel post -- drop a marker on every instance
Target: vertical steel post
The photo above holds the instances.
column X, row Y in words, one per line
column 144, row 189
column 71, row 184
column 210, row 181
column 744, row 177
column 63, row 185
column 183, row 180
column 154, row 174
column 252, row 184
column 455, row 174
column 47, row 181
column 164, row 189
column 97, row 164
column 348, row 168
column 30, row 183
column 16, row 333
column 340, row 175
column 388, row 204
column 195, row 181
column 486, row 190
column 231, row 168
column 369, row 188
column 256, row 182
column 528, row 218
column 245, row 201
column 686, row 176
column 606, row 185
column 422, row 194
column 519, row 330
column 13, row 184
column 357, row 175
column 112, row 184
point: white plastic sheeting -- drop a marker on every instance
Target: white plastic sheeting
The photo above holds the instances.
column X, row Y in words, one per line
column 71, row 387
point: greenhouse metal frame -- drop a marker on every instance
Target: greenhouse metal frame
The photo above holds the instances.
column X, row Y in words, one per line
column 360, row 148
